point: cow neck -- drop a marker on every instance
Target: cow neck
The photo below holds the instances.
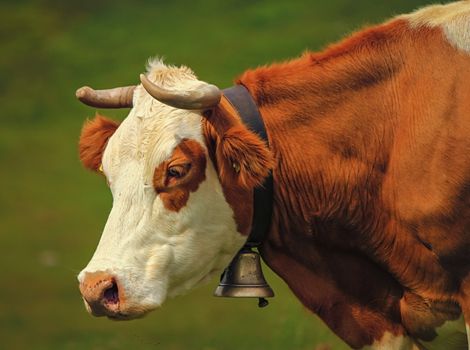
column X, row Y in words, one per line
column 242, row 101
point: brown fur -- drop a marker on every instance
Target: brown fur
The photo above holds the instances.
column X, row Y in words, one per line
column 371, row 218
column 242, row 159
column 175, row 192
column 371, row 201
column 238, row 146
column 93, row 139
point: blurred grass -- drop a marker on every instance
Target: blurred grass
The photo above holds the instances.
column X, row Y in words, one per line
column 52, row 211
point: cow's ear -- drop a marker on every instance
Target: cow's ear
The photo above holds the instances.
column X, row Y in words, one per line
column 93, row 139
column 242, row 158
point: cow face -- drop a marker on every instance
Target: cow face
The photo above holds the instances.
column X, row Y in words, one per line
column 171, row 227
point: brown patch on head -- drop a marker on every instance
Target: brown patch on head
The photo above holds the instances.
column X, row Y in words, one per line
column 180, row 175
column 93, row 139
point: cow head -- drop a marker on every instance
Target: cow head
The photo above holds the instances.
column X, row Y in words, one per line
column 181, row 175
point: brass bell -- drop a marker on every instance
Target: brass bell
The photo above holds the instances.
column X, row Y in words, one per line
column 244, row 278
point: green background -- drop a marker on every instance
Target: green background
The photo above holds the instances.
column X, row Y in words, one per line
column 52, row 211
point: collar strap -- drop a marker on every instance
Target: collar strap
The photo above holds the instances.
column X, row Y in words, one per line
column 241, row 99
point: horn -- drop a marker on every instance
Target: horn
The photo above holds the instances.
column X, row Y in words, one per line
column 203, row 97
column 120, row 97
column 244, row 278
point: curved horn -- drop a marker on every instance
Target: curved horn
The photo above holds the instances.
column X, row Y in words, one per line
column 203, row 97
column 120, row 97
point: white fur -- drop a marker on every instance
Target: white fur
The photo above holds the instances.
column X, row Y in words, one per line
column 467, row 329
column 453, row 18
column 450, row 336
column 390, row 341
column 154, row 252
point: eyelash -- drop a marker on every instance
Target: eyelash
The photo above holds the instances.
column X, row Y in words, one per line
column 172, row 172
column 178, row 171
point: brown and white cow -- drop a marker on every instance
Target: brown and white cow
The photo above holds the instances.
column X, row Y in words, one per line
column 370, row 153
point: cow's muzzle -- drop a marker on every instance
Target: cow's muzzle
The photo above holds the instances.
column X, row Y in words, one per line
column 101, row 294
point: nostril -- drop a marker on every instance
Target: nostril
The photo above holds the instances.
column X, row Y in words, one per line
column 111, row 294
column 102, row 293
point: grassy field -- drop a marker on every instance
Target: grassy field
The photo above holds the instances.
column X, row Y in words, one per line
column 52, row 211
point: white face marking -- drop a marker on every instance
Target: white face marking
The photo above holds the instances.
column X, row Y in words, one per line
column 454, row 18
column 154, row 252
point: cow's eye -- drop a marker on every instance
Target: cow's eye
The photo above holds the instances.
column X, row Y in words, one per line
column 178, row 171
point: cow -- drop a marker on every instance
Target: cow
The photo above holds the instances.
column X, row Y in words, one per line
column 369, row 150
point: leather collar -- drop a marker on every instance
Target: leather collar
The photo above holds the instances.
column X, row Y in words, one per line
column 241, row 99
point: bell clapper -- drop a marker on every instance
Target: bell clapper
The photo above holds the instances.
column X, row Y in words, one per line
column 262, row 302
